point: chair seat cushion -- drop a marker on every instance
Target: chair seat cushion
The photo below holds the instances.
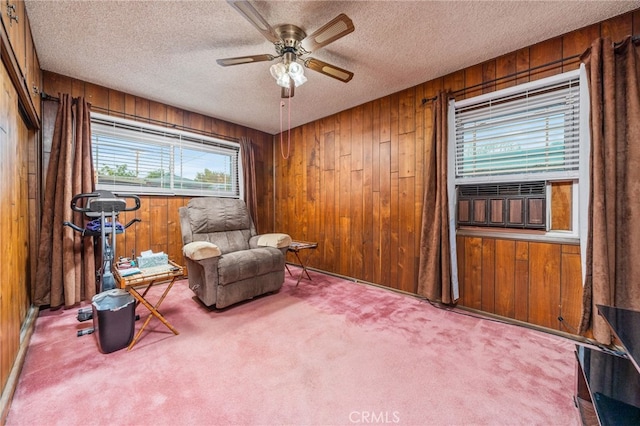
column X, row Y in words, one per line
column 240, row 265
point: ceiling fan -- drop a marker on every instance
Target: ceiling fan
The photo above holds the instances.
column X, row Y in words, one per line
column 292, row 44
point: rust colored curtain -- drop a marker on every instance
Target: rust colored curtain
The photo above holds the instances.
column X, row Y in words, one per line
column 434, row 273
column 249, row 177
column 612, row 269
column 66, row 263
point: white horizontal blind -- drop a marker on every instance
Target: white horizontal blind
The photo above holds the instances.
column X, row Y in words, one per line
column 131, row 156
column 532, row 132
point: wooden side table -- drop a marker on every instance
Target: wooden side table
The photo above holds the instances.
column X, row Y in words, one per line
column 295, row 247
column 149, row 277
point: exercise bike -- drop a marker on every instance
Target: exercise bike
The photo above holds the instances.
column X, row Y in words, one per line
column 103, row 208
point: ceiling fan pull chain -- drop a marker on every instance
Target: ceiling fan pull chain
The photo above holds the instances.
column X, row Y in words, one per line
column 281, row 131
column 289, row 126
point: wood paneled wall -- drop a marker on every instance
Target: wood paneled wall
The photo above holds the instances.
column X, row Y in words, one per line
column 533, row 282
column 354, row 182
column 20, row 82
column 160, row 226
column 15, row 139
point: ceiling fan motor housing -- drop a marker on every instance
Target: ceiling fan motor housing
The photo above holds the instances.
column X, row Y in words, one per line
column 290, row 36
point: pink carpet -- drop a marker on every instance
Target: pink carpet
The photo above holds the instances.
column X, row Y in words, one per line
column 329, row 352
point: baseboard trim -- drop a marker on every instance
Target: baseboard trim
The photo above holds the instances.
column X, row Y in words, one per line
column 12, row 382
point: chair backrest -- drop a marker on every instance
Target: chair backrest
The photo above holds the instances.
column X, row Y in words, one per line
column 224, row 222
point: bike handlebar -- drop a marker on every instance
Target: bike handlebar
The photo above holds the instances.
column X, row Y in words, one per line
column 110, row 202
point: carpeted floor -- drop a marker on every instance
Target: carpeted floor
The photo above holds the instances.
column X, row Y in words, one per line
column 328, row 352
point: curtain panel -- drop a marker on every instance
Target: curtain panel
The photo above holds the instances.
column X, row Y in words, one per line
column 66, row 270
column 612, row 271
column 435, row 267
column 249, row 178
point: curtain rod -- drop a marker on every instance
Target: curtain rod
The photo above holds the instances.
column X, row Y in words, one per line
column 46, row 97
column 504, row 77
column 634, row 39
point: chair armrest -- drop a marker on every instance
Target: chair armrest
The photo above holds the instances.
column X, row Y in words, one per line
column 271, row 240
column 199, row 250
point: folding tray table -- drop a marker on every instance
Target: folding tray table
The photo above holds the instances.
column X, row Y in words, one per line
column 149, row 277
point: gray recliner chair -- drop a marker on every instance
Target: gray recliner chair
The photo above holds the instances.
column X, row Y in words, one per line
column 227, row 262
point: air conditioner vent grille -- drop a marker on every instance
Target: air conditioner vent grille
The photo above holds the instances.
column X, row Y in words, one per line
column 502, row 189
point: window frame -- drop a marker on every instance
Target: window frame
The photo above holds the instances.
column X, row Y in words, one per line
column 173, row 138
column 548, row 234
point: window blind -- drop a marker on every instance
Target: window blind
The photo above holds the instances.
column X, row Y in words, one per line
column 534, row 131
column 131, row 156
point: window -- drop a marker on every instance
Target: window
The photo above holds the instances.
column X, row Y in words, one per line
column 532, row 134
column 509, row 147
column 130, row 156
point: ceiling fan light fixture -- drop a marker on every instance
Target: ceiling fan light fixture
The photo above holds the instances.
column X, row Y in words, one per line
column 284, row 80
column 285, row 73
column 296, row 72
column 278, row 70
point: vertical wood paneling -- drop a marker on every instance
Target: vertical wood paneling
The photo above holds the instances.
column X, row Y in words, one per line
column 575, row 43
column 97, row 96
column 158, row 224
column 116, row 99
column 384, row 227
column 174, row 235
column 460, row 252
column 345, row 213
column 488, row 274
column 406, row 155
column 328, row 220
column 473, row 80
column 407, row 112
column 544, row 284
column 531, row 282
column 505, row 292
column 570, row 288
column 561, row 195
column 489, row 76
column 521, row 281
column 368, row 247
column 506, row 66
column 394, row 225
column 617, row 28
column 473, row 273
column 522, row 65
column 406, row 243
column 15, row 267
column 544, row 53
column 356, row 215
column 355, row 140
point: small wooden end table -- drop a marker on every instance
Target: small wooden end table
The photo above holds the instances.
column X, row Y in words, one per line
column 295, row 247
column 150, row 277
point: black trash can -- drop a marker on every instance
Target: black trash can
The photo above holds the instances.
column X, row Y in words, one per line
column 114, row 313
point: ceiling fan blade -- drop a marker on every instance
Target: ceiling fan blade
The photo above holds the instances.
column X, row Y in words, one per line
column 226, row 62
column 328, row 69
column 247, row 10
column 338, row 27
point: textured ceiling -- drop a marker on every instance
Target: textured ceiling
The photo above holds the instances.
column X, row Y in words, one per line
column 166, row 50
